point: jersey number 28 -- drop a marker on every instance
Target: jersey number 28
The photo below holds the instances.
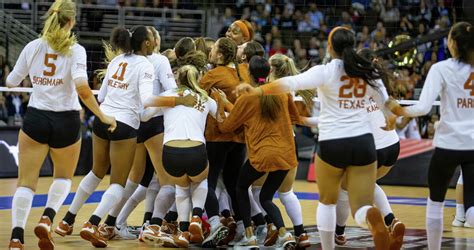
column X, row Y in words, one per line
column 354, row 88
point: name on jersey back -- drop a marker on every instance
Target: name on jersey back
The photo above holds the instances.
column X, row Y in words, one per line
column 117, row 84
column 47, row 81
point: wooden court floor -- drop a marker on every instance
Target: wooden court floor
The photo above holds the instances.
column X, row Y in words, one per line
column 408, row 203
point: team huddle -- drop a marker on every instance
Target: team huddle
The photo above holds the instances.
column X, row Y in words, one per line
column 204, row 135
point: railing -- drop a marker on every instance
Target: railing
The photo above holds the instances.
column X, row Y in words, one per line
column 14, row 35
column 97, row 21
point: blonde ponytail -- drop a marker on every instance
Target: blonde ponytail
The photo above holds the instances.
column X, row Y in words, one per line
column 284, row 66
column 58, row 15
column 110, row 54
column 188, row 78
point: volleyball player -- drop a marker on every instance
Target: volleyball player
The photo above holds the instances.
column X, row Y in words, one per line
column 453, row 80
column 149, row 145
column 282, row 66
column 247, row 50
column 56, row 65
column 270, row 144
column 185, row 161
column 388, row 148
column 226, row 151
column 128, row 81
column 346, row 145
column 241, row 31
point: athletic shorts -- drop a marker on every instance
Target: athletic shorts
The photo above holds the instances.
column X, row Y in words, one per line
column 57, row 129
column 122, row 131
column 150, row 128
column 180, row 161
column 388, row 156
column 345, row 152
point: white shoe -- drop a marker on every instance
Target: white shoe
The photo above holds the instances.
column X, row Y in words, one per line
column 122, row 233
column 285, row 241
column 261, row 233
column 238, row 237
column 466, row 224
column 458, row 223
column 247, row 242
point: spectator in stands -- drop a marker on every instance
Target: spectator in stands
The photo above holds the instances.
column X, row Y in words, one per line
column 286, row 21
column 389, row 13
column 3, row 111
column 316, row 16
column 364, row 36
column 4, row 70
column 313, row 48
column 406, row 27
column 379, row 33
column 15, row 109
column 345, row 20
column 304, row 24
column 277, row 48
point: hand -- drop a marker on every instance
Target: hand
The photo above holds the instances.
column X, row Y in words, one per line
column 245, row 88
column 189, row 100
column 394, row 107
column 390, row 123
column 110, row 120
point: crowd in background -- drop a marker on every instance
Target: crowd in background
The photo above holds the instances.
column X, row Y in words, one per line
column 299, row 29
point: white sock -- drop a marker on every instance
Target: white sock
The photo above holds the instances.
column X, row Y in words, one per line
column 256, row 196
column 21, row 206
column 254, row 208
column 360, row 216
column 137, row 197
column 199, row 194
column 381, row 201
column 460, row 213
column 183, row 203
column 470, row 216
column 57, row 193
column 343, row 208
column 130, row 187
column 326, row 219
column 434, row 223
column 292, row 207
column 151, row 194
column 215, row 222
column 240, row 227
column 163, row 201
column 111, row 197
column 87, row 186
column 224, row 201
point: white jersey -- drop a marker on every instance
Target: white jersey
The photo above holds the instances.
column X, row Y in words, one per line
column 164, row 77
column 127, row 84
column 52, row 75
column 186, row 123
column 382, row 137
column 453, row 81
column 343, row 99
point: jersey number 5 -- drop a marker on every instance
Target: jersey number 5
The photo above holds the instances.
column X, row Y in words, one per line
column 469, row 85
column 354, row 88
column 120, row 77
column 49, row 64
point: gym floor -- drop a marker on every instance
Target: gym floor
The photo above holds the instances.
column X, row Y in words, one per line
column 408, row 204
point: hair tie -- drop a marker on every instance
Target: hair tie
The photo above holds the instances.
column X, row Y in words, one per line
column 261, row 80
column 469, row 28
column 130, row 33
